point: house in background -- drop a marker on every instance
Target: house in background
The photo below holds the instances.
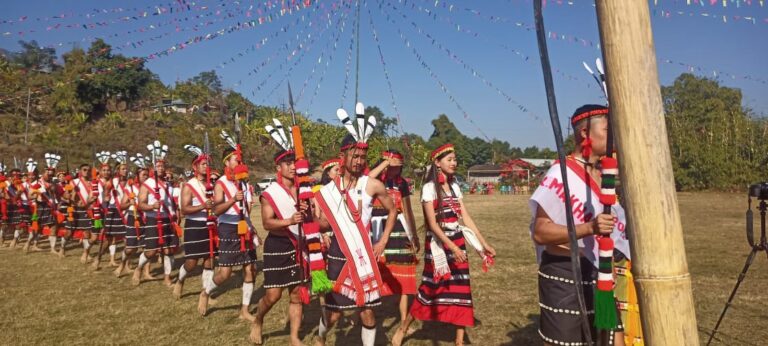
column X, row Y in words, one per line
column 173, row 106
column 481, row 174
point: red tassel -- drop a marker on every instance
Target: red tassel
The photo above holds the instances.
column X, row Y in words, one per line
column 586, row 148
column 304, row 294
column 441, row 179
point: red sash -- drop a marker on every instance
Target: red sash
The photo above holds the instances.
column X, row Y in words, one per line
column 349, row 270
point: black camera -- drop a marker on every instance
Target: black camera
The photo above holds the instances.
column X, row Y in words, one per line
column 759, row 191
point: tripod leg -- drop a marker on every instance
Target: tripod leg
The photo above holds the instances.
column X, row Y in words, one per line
column 742, row 275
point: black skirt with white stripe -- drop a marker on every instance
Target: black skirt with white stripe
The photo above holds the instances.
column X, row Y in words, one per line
column 133, row 236
column 230, row 253
column 44, row 215
column 19, row 214
column 280, row 267
column 113, row 223
column 151, row 232
column 197, row 242
column 82, row 221
column 560, row 321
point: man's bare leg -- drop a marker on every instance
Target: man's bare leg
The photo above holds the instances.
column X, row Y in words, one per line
column 265, row 304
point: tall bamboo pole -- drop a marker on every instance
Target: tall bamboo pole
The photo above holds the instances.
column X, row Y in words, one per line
column 659, row 264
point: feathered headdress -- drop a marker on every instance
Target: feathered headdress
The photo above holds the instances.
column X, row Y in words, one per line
column 241, row 171
column 199, row 157
column 103, row 157
column 361, row 129
column 51, row 161
column 120, row 156
column 140, row 160
column 31, row 165
column 599, row 76
column 157, row 151
column 278, row 135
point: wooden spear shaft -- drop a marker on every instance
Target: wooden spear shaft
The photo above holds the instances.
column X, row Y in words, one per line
column 658, row 254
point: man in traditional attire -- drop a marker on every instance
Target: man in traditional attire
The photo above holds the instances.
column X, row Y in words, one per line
column 281, row 218
column 236, row 233
column 82, row 218
column 561, row 320
column 346, row 204
column 160, row 214
column 199, row 237
column 134, row 233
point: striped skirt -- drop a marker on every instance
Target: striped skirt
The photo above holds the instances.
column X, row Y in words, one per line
column 560, row 321
column 230, row 253
column 151, row 235
column 18, row 215
column 45, row 215
column 448, row 300
column 399, row 269
column 280, row 267
column 133, row 236
column 82, row 221
column 113, row 223
column 336, row 301
column 197, row 241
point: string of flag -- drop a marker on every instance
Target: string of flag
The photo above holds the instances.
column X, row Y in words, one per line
column 299, row 55
column 409, row 47
column 386, row 71
column 348, row 65
column 331, row 43
column 553, row 35
column 458, row 60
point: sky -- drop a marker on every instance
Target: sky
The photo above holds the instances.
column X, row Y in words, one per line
column 475, row 61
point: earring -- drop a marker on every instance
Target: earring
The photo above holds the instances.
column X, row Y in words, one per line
column 440, row 176
column 586, row 148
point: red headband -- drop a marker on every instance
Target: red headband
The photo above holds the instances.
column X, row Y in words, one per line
column 330, row 163
column 579, row 117
column 358, row 145
column 391, row 155
column 200, row 158
column 445, row 148
column 283, row 155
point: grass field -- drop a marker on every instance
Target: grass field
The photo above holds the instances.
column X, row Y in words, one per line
column 45, row 300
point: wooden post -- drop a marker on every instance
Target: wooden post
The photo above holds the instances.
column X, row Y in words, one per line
column 658, row 254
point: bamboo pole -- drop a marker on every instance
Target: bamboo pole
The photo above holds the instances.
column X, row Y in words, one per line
column 659, row 263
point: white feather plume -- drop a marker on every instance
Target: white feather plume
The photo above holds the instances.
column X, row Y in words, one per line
column 227, row 138
column 194, row 149
column 31, row 164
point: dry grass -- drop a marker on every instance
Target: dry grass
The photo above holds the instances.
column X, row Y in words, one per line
column 50, row 301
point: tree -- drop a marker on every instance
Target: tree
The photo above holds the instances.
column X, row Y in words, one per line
column 208, row 79
column 34, row 57
column 712, row 138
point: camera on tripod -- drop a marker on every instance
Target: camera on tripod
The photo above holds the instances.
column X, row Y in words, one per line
column 759, row 191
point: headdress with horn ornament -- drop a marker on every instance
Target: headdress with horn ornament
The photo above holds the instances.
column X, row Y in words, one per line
column 103, row 157
column 285, row 143
column 121, row 157
column 361, row 129
column 241, row 171
column 52, row 161
column 200, row 156
column 140, row 160
column 31, row 165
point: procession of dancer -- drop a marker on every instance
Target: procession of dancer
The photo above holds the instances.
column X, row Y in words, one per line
column 350, row 240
